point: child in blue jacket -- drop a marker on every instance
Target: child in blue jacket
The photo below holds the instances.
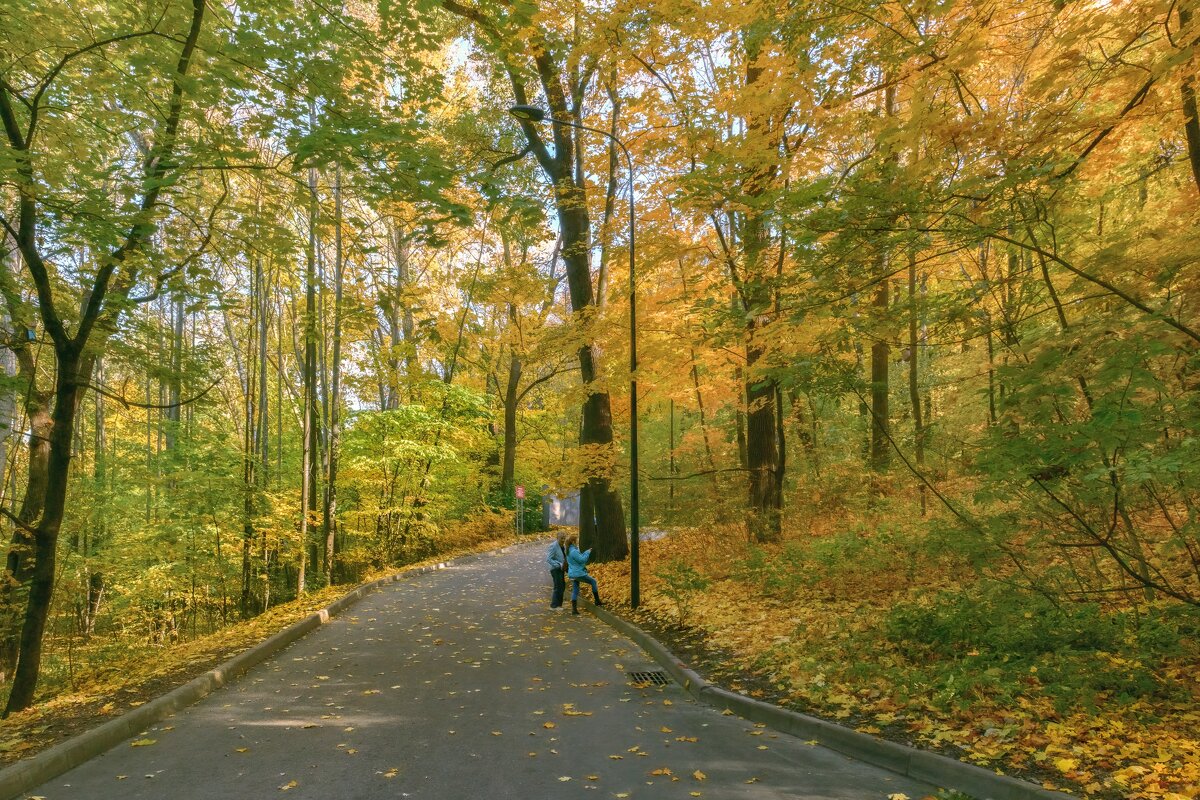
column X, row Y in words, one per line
column 577, row 572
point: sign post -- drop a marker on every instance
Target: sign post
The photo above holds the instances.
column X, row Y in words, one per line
column 520, row 493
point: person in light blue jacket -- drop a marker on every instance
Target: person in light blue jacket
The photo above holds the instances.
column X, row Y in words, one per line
column 577, row 572
column 556, row 559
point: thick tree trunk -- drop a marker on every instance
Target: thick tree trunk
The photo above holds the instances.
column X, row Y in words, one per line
column 610, row 196
column 45, row 536
column 401, row 332
column 914, row 392
column 335, row 395
column 1187, row 91
column 880, row 356
column 175, row 380
column 508, row 461
column 308, row 472
column 604, row 529
column 264, row 417
column 20, row 561
column 762, row 455
column 880, row 350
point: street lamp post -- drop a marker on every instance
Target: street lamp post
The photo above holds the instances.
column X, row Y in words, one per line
column 527, row 113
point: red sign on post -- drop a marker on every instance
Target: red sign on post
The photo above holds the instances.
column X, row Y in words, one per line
column 520, row 492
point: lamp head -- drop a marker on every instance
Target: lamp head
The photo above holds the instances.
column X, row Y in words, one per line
column 528, row 113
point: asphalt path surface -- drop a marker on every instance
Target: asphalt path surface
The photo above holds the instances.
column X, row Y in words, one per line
column 463, row 683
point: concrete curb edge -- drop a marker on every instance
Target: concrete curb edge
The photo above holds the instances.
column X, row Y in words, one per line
column 30, row 773
column 922, row 765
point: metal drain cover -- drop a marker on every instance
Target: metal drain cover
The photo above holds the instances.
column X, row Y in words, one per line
column 652, row 677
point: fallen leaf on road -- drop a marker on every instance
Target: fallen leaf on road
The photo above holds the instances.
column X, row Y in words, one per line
column 564, row 778
column 143, row 743
column 289, row 785
column 698, row 775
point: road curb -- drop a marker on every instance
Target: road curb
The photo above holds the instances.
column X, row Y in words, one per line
column 918, row 764
column 32, row 772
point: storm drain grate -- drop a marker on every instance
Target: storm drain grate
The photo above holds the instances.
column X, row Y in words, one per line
column 653, row 677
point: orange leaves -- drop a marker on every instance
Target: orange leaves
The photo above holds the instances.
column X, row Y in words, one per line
column 1146, row 748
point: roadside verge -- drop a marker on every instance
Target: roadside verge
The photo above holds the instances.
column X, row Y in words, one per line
column 909, row 761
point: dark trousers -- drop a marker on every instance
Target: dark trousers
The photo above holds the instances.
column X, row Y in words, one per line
column 588, row 579
column 560, row 587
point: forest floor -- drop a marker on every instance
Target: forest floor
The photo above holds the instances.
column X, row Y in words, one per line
column 832, row 645
column 109, row 683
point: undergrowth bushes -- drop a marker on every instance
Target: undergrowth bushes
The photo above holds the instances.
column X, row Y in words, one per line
column 800, row 564
column 954, row 635
column 1075, row 652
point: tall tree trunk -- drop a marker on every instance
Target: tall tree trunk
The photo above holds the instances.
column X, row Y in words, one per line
column 20, row 559
column 92, row 536
column 250, row 605
column 762, row 439
column 914, row 391
column 264, row 418
column 335, row 396
column 880, row 356
column 308, row 472
column 508, row 462
column 45, row 536
column 1187, row 91
column 604, row 529
column 762, row 454
column 175, row 377
column 610, row 195
column 401, row 326
column 880, row 350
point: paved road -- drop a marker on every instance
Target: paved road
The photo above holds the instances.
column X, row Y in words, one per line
column 464, row 684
